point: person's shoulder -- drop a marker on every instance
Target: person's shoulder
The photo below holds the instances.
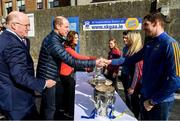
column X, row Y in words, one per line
column 57, row 37
column 46, row 39
column 69, row 49
column 7, row 36
column 168, row 39
column 116, row 51
column 49, row 38
column 170, row 42
column 125, row 48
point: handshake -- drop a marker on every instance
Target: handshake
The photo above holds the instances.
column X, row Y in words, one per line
column 101, row 62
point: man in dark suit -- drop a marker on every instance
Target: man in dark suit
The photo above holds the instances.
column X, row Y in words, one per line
column 17, row 81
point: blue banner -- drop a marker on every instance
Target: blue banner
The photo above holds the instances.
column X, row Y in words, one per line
column 74, row 25
column 113, row 24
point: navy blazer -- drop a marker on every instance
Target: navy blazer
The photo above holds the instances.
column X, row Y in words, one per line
column 17, row 80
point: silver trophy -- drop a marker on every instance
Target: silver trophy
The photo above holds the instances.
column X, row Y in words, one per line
column 103, row 97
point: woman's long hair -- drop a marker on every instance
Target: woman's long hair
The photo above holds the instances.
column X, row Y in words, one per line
column 134, row 38
column 70, row 39
column 115, row 42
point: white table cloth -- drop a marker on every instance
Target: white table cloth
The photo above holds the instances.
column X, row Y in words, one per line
column 84, row 101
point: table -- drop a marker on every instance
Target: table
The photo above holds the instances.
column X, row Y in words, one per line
column 84, row 101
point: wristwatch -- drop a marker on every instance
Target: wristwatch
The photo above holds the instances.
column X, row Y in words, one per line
column 151, row 102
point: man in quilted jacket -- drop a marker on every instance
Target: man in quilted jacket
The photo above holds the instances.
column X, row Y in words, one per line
column 52, row 52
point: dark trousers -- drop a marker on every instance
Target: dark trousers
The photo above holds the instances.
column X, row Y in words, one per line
column 31, row 114
column 68, row 84
column 126, row 81
column 158, row 112
column 135, row 102
column 51, row 102
column 59, row 113
column 132, row 101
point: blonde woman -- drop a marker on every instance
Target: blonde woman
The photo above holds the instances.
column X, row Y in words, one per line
column 161, row 72
column 131, row 74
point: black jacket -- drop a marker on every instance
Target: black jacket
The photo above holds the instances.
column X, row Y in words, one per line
column 52, row 52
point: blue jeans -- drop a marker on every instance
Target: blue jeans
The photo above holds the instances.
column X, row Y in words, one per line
column 158, row 112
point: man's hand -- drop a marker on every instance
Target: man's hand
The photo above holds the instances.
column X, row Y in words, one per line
column 50, row 83
column 107, row 62
column 148, row 106
column 100, row 62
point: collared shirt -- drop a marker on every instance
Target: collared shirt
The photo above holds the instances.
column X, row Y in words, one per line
column 14, row 34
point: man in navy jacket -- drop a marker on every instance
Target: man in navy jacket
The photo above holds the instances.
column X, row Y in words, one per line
column 17, row 81
column 51, row 54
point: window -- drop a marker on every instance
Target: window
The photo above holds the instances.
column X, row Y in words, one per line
column 21, row 5
column 39, row 4
column 53, row 3
column 8, row 7
column 56, row 3
column 50, row 4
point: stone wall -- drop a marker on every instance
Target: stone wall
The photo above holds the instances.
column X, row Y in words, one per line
column 91, row 42
column 96, row 42
column 174, row 25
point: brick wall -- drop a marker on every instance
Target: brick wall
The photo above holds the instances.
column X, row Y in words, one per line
column 31, row 5
column 1, row 8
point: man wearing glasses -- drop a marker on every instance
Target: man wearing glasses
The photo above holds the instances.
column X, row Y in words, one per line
column 17, row 80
